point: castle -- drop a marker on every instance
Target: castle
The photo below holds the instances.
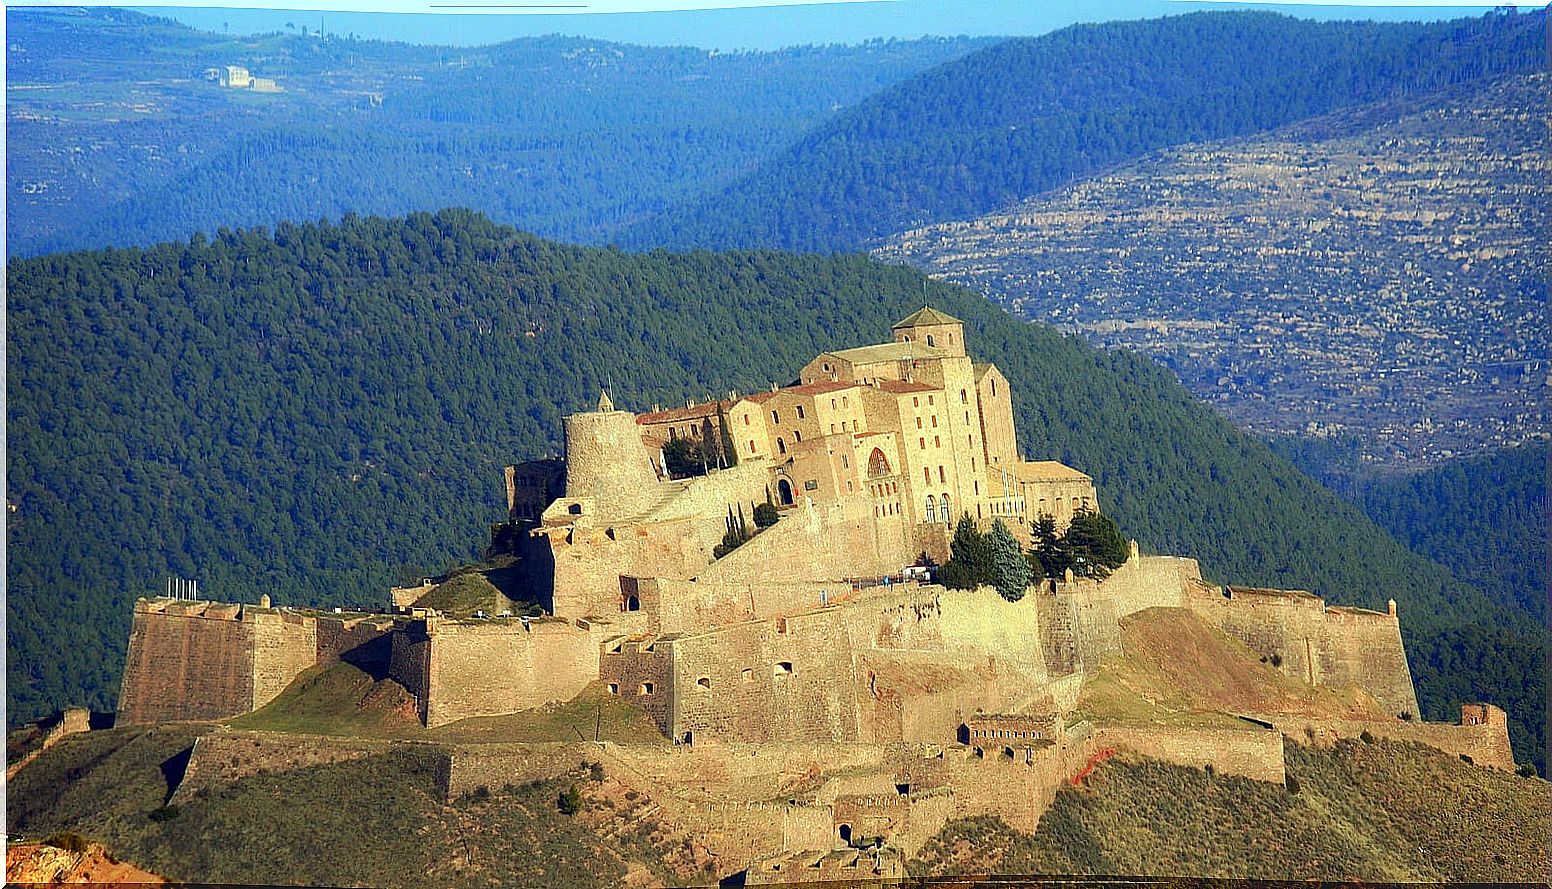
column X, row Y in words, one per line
column 812, row 637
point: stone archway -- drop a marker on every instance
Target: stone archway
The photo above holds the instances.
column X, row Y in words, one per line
column 784, row 492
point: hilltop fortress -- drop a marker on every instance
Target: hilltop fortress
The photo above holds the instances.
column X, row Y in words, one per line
column 812, row 640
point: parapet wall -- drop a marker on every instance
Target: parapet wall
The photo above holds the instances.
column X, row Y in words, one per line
column 1486, row 744
column 224, row 757
column 1250, row 752
column 814, row 542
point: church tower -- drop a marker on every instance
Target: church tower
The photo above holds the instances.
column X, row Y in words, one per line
column 930, row 327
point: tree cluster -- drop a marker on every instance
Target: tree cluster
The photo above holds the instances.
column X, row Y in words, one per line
column 1091, row 547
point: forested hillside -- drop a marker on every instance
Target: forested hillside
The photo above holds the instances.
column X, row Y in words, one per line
column 118, row 133
column 1027, row 115
column 1484, row 518
column 317, row 413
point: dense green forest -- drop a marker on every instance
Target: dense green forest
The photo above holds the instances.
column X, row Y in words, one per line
column 1028, row 115
column 1484, row 518
column 118, row 136
column 322, row 411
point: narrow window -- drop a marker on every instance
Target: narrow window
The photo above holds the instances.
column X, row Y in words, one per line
column 845, row 462
column 918, row 423
column 937, row 442
column 746, row 419
column 932, row 508
column 934, row 421
column 915, row 401
column 930, row 399
column 775, row 418
column 940, row 474
column 843, row 401
column 923, row 442
column 614, row 688
column 832, row 428
column 797, row 436
column 751, row 446
column 927, row 474
column 929, row 340
column 781, row 446
column 646, row 688
column 964, row 398
column 800, row 412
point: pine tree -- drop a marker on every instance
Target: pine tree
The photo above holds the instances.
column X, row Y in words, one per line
column 971, row 564
column 1095, row 544
column 1048, row 554
column 728, row 453
column 1010, row 573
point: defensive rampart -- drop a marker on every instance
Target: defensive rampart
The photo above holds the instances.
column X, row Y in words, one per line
column 1322, row 646
column 209, row 660
column 1485, row 741
column 460, row 669
column 1250, row 752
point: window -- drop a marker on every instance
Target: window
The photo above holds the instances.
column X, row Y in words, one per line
column 929, row 399
column 783, row 668
column 800, row 412
column 797, row 436
column 646, row 688
column 848, row 486
column 832, row 428
column 775, row 418
column 746, row 419
column 922, row 442
column 918, row 423
column 994, row 387
column 614, row 688
column 832, row 401
column 940, row 474
column 843, row 401
column 752, row 448
column 964, row 398
column 978, row 488
column 929, row 340
column 967, row 418
column 915, row 401
column 927, row 474
column 746, row 675
column 937, row 442
column 673, row 433
column 948, row 516
column 932, row 508
column 934, row 421
column 845, row 462
column 704, row 682
column 781, row 446
column 972, row 464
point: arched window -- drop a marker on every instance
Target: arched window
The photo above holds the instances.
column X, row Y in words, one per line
column 781, row 446
column 948, row 514
column 929, row 340
column 932, row 508
column 784, row 492
column 878, row 464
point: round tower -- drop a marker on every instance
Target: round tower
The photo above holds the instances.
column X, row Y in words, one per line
column 606, row 460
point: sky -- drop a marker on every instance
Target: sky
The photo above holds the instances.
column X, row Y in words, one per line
column 730, row 25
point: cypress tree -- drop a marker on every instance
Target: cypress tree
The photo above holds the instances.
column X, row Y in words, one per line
column 1010, row 573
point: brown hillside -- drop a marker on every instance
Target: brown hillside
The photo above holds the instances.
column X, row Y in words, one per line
column 1177, row 668
column 42, row 863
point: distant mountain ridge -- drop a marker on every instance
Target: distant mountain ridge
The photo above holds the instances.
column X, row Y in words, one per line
column 1376, row 272
column 324, row 411
column 117, row 135
column 1027, row 115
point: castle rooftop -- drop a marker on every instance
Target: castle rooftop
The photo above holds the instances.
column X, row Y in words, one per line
column 925, row 316
column 888, row 352
column 1042, row 470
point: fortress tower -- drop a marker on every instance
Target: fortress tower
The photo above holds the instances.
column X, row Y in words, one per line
column 607, row 461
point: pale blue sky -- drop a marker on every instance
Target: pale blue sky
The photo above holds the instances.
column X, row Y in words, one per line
column 737, row 24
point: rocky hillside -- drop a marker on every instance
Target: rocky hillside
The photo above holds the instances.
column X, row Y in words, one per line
column 1375, row 272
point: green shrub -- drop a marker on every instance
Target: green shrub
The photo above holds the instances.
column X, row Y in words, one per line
column 570, row 801
column 69, row 841
column 1292, row 784
column 765, row 515
column 1525, row 770
column 165, row 813
column 1366, row 737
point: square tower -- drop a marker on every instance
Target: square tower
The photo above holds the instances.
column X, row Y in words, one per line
column 932, row 328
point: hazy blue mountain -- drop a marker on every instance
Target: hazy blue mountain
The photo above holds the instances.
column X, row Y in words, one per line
column 118, row 132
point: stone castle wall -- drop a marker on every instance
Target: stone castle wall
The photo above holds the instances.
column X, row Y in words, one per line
column 1486, row 744
column 1320, row 645
column 1249, row 752
column 814, row 542
column 224, row 757
column 590, row 560
column 186, row 661
column 284, row 644
column 490, row 668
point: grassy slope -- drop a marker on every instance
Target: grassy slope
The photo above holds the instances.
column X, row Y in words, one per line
column 378, row 821
column 1384, row 811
